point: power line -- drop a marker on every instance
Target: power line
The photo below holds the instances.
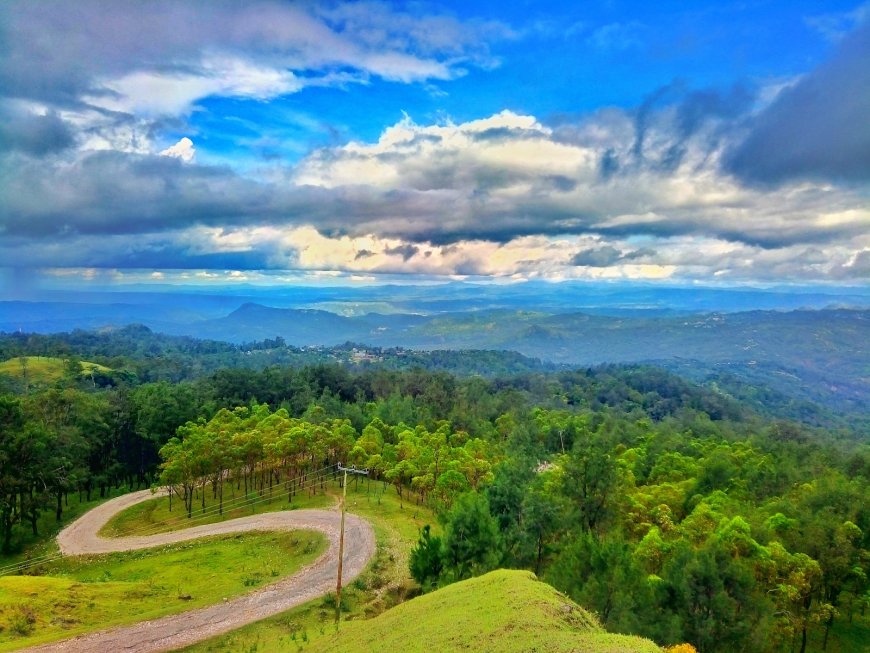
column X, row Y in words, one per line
column 233, row 504
column 241, row 502
column 11, row 569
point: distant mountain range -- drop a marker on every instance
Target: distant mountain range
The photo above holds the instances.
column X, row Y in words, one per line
column 819, row 355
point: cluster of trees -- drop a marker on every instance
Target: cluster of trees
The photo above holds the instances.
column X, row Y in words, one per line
column 679, row 530
column 110, row 433
column 258, row 448
column 51, row 443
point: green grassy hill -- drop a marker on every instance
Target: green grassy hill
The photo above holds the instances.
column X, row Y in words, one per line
column 44, row 369
column 504, row 611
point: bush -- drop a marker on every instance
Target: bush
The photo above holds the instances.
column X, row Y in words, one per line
column 22, row 621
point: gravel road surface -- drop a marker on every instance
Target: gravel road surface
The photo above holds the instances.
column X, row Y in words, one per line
column 175, row 631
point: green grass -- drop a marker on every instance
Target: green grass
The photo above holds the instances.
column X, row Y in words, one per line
column 504, row 611
column 154, row 515
column 77, row 595
column 44, row 369
column 385, row 583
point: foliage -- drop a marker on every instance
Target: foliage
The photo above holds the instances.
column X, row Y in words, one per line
column 472, row 544
column 426, row 561
column 670, row 511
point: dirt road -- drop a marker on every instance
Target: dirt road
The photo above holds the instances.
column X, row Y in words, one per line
column 172, row 632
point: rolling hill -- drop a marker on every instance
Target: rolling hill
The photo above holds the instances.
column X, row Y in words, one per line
column 503, row 611
column 44, row 369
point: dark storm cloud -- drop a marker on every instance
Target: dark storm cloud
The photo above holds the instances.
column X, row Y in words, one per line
column 562, row 183
column 692, row 109
column 677, row 116
column 33, row 134
column 405, row 251
column 114, row 192
column 699, row 106
column 160, row 251
column 609, row 164
column 645, row 113
column 174, row 257
column 118, row 193
column 600, row 257
column 817, row 129
column 110, row 193
column 54, row 51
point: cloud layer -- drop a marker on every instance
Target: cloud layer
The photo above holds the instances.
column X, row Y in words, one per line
column 161, row 56
column 742, row 184
column 818, row 128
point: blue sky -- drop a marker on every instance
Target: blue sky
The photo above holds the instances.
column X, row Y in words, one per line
column 562, row 60
column 720, row 143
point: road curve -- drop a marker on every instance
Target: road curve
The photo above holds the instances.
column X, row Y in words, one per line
column 174, row 631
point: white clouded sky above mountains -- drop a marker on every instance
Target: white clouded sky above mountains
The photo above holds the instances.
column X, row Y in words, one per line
column 726, row 144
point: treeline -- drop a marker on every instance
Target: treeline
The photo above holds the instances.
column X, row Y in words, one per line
column 255, row 448
column 135, row 354
column 91, row 438
column 56, row 442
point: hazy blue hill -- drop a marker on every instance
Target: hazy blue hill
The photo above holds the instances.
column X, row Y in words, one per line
column 299, row 327
column 175, row 309
column 54, row 317
column 777, row 391
column 818, row 356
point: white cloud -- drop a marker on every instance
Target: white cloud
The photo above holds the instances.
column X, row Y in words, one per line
column 146, row 92
column 183, row 150
column 161, row 57
column 504, row 195
column 509, row 175
column 617, row 36
column 834, row 26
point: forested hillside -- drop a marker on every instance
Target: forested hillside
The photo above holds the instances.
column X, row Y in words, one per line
column 671, row 511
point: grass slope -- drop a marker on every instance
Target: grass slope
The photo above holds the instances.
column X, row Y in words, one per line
column 83, row 594
column 504, row 611
column 44, row 369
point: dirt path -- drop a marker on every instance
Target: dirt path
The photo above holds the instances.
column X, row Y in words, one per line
column 175, row 631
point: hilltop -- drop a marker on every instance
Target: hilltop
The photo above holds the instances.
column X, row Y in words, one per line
column 45, row 369
column 504, row 611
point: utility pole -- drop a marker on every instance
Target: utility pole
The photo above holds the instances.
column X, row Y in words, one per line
column 353, row 470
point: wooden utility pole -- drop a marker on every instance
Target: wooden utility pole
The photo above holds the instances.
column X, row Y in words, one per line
column 353, row 470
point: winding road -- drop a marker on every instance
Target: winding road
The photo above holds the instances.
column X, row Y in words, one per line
column 176, row 631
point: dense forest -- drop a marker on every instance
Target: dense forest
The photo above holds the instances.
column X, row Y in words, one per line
column 671, row 511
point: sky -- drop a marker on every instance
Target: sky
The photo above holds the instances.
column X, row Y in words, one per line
column 716, row 143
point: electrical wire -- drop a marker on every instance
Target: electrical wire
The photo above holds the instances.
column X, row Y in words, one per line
column 235, row 504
